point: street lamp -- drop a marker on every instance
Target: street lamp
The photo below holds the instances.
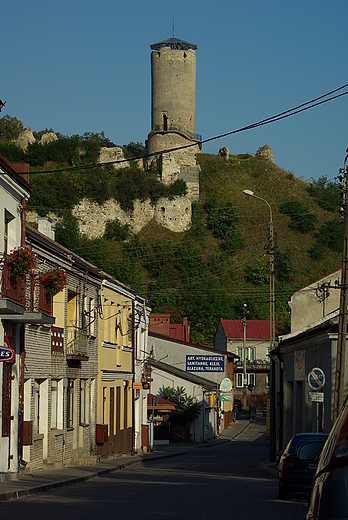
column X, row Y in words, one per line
column 271, row 251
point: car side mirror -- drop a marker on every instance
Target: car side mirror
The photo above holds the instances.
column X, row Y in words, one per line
column 310, row 451
column 279, row 454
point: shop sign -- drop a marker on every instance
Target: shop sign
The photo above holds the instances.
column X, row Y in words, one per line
column 205, row 363
column 6, row 353
column 226, row 385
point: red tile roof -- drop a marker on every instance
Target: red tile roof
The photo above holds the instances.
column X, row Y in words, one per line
column 255, row 329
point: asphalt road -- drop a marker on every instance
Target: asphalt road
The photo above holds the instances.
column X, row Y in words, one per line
column 207, row 483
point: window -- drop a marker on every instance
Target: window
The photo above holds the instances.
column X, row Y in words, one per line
column 268, row 380
column 240, row 380
column 250, row 354
column 36, row 407
column 91, row 314
column 54, row 404
column 70, row 404
column 84, row 401
column 85, row 316
column 250, row 380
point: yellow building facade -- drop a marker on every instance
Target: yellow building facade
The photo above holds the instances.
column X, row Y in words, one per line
column 115, row 415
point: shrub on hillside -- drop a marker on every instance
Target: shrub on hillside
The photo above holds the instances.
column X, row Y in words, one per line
column 114, row 230
column 258, row 273
column 327, row 193
column 330, row 235
column 300, row 218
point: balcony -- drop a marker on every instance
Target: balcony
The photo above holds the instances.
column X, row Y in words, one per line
column 76, row 348
column 12, row 291
column 24, row 300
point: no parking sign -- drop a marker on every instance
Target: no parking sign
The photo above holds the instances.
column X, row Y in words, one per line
column 316, row 378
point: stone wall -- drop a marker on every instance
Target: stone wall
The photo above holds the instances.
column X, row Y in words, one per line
column 174, row 214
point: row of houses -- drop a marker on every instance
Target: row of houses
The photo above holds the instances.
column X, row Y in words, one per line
column 81, row 356
column 71, row 347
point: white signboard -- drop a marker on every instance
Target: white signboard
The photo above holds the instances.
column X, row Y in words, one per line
column 316, row 397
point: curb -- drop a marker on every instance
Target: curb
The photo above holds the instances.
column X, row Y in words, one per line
column 118, row 467
column 77, row 480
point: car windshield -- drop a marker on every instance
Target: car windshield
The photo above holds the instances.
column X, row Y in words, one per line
column 299, row 440
column 310, row 450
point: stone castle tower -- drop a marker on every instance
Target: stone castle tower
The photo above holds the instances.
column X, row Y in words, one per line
column 173, row 96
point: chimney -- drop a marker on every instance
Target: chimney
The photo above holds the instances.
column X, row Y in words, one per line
column 44, row 226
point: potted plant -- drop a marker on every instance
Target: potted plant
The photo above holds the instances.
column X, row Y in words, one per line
column 54, row 281
column 22, row 260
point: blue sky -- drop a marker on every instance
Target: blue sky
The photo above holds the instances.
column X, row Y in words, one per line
column 84, row 66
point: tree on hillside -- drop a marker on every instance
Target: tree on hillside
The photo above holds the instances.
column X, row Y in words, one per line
column 10, row 127
column 328, row 194
column 300, row 218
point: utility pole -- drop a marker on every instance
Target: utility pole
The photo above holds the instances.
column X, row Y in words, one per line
column 271, row 252
column 244, row 356
column 342, row 323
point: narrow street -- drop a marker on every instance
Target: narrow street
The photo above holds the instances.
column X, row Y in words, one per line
column 206, row 483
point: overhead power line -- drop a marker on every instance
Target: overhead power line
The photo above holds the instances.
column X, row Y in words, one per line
column 324, row 98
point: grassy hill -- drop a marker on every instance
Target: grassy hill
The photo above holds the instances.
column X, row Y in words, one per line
column 222, row 262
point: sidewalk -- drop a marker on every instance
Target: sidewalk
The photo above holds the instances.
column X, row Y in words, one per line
column 28, row 483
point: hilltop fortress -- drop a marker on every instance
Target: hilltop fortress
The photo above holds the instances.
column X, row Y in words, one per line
column 171, row 147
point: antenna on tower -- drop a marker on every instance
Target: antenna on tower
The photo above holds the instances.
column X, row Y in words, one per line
column 173, row 26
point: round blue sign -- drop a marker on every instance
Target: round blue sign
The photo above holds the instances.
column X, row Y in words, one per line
column 316, row 378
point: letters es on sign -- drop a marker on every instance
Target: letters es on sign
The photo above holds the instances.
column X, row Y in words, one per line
column 6, row 354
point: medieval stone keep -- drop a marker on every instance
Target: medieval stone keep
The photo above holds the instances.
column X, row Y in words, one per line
column 173, row 97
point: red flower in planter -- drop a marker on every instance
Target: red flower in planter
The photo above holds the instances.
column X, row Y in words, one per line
column 22, row 260
column 55, row 281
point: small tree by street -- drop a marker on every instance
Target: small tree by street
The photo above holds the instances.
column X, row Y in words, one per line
column 187, row 409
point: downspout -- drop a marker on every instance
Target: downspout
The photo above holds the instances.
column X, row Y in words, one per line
column 134, row 341
column 203, row 414
column 21, row 395
column 22, row 355
column 23, row 218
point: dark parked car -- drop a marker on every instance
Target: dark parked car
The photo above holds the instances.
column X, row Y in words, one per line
column 329, row 497
column 296, row 475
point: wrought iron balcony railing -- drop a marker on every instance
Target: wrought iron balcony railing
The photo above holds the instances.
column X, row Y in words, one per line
column 28, row 291
column 38, row 300
column 12, row 289
column 76, row 342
